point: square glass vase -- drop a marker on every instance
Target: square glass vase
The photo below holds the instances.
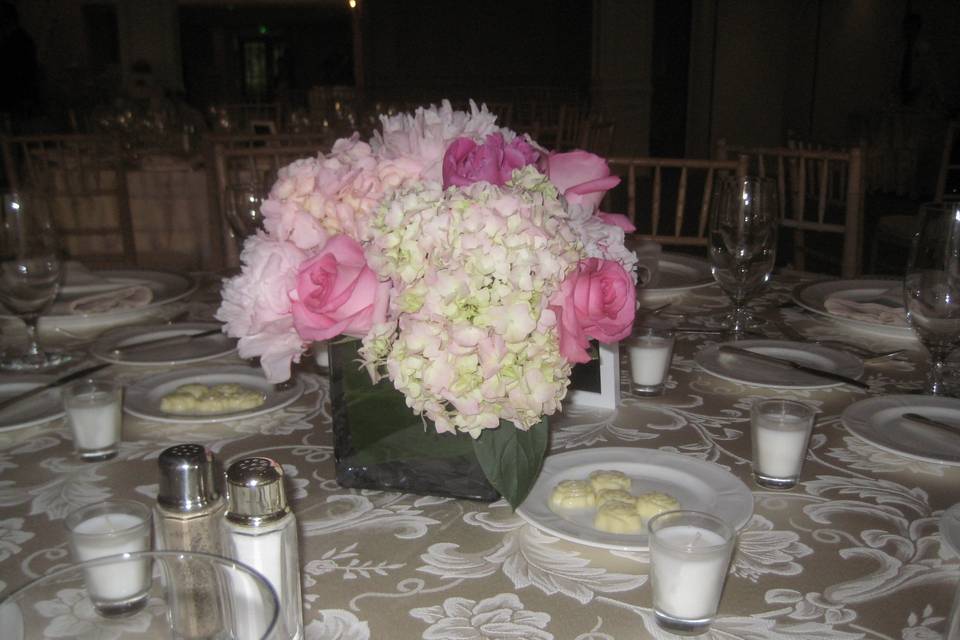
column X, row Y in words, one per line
column 379, row 443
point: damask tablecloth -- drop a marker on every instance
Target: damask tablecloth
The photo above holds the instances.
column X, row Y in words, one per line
column 852, row 552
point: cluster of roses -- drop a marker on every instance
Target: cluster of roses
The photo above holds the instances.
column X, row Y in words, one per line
column 475, row 266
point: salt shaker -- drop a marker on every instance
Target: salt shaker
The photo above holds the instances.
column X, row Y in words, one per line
column 260, row 530
column 187, row 518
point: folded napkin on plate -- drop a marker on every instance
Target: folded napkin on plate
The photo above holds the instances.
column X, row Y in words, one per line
column 883, row 309
column 77, row 275
column 648, row 262
column 117, row 300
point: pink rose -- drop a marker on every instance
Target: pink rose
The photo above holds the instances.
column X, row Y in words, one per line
column 581, row 177
column 617, row 220
column 466, row 162
column 596, row 300
column 337, row 293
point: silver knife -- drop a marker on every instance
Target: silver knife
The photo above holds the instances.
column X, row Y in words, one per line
column 70, row 377
column 147, row 344
column 830, row 375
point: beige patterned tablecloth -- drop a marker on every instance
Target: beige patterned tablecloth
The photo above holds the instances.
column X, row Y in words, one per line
column 854, row 551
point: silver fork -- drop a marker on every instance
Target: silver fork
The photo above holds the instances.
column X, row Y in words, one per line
column 861, row 352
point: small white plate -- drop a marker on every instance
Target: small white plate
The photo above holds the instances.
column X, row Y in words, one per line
column 950, row 528
column 677, row 275
column 167, row 287
column 879, row 421
column 695, row 483
column 176, row 352
column 747, row 370
column 143, row 398
column 812, row 296
column 36, row 410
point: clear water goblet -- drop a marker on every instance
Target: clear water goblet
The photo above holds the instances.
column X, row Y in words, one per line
column 30, row 271
column 931, row 287
column 743, row 241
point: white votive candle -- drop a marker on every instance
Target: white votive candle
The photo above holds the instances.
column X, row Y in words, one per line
column 651, row 352
column 689, row 556
column 107, row 529
column 780, row 430
column 95, row 414
column 321, row 355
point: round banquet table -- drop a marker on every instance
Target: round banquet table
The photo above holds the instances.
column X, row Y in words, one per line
column 853, row 551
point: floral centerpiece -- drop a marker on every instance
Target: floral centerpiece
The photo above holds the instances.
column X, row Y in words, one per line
column 474, row 265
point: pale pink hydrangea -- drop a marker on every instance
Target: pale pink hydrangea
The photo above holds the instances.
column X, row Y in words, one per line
column 473, row 270
column 256, row 305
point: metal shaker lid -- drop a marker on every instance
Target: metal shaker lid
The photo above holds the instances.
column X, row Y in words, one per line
column 255, row 493
column 187, row 478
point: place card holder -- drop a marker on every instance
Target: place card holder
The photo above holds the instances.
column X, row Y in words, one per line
column 597, row 383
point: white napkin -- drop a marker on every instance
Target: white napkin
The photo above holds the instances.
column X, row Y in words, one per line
column 648, row 262
column 117, row 300
column 883, row 309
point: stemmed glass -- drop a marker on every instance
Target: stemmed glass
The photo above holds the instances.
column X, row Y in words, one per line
column 243, row 211
column 931, row 287
column 30, row 271
column 743, row 241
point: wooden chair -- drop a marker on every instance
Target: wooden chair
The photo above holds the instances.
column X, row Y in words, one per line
column 81, row 180
column 678, row 190
column 241, row 179
column 821, row 191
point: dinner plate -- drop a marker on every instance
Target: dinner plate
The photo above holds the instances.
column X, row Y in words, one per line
column 143, row 398
column 166, row 286
column 695, row 483
column 167, row 353
column 677, row 274
column 747, row 370
column 950, row 528
column 879, row 421
column 812, row 296
column 38, row 409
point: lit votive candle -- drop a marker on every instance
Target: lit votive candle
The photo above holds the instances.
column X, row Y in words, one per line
column 95, row 415
column 689, row 557
column 651, row 352
column 108, row 529
column 780, row 430
column 321, row 356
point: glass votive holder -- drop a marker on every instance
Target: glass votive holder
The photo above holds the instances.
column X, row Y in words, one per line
column 689, row 557
column 58, row 604
column 113, row 527
column 780, row 430
column 95, row 415
column 651, row 352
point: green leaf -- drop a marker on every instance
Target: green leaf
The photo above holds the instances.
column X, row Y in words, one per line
column 511, row 458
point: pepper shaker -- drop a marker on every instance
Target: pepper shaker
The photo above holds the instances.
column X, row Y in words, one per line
column 260, row 530
column 187, row 518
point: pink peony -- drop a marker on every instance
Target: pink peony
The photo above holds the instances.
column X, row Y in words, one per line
column 336, row 292
column 596, row 300
column 581, row 177
column 466, row 162
column 256, row 305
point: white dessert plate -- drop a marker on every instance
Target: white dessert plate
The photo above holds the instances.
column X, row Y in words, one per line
column 165, row 353
column 950, row 528
column 812, row 296
column 677, row 275
column 747, row 370
column 143, row 398
column 695, row 483
column 880, row 422
column 36, row 410
column 166, row 286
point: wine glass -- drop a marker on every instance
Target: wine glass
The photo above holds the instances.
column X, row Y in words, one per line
column 743, row 241
column 243, row 211
column 931, row 287
column 30, row 271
